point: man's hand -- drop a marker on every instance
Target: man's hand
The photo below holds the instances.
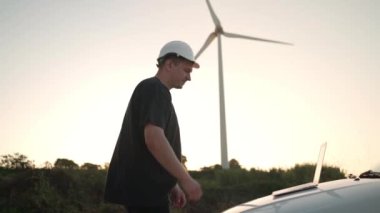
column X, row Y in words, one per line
column 177, row 197
column 192, row 189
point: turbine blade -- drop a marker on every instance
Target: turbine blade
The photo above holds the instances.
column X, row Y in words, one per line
column 233, row 35
column 208, row 41
column 213, row 15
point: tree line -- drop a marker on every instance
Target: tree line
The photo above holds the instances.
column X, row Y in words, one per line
column 20, row 161
column 68, row 187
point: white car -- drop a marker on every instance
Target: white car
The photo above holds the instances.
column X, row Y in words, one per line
column 360, row 195
column 355, row 195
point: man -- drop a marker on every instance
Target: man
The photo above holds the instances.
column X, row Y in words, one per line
column 145, row 169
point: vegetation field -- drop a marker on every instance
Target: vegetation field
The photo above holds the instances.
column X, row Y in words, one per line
column 66, row 187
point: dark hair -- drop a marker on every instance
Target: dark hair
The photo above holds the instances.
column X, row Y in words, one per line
column 174, row 56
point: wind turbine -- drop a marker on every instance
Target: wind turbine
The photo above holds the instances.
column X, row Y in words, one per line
column 218, row 32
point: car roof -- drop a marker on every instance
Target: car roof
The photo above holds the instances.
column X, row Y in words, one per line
column 345, row 195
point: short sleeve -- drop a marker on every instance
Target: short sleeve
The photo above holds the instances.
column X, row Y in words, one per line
column 154, row 105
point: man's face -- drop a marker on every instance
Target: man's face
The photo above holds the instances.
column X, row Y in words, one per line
column 181, row 73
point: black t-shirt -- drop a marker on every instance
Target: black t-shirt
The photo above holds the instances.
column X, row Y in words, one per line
column 134, row 176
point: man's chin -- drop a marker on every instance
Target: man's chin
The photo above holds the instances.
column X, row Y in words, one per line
column 179, row 86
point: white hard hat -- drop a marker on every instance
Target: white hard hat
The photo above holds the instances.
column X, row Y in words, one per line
column 181, row 49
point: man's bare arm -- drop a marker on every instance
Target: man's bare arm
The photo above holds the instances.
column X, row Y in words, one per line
column 160, row 148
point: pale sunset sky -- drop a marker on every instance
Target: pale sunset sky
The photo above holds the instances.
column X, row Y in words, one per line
column 68, row 68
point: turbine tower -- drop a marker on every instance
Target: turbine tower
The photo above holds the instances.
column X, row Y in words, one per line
column 217, row 34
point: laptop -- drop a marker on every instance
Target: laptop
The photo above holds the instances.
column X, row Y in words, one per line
column 309, row 185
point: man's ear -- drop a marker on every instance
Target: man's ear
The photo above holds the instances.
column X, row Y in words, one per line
column 170, row 63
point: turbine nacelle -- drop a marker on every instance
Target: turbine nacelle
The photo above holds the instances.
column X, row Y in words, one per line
column 219, row 30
